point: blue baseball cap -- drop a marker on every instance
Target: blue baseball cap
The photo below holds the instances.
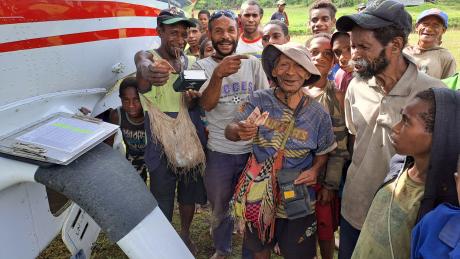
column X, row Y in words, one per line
column 433, row 12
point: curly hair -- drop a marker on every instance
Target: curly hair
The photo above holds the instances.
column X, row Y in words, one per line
column 319, row 4
column 428, row 117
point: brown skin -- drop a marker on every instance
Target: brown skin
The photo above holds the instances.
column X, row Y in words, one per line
column 224, row 36
column 150, row 72
column 291, row 77
column 204, row 19
column 365, row 46
column 156, row 72
column 273, row 34
column 193, row 40
column 342, row 52
column 250, row 19
column 323, row 58
column 409, row 137
column 208, row 50
column 281, row 10
column 321, row 21
column 457, row 179
column 430, row 30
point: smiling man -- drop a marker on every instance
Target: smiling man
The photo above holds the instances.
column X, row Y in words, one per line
column 385, row 80
column 430, row 57
column 231, row 79
column 322, row 17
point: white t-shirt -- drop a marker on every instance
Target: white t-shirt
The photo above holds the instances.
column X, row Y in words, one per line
column 250, row 47
column 235, row 89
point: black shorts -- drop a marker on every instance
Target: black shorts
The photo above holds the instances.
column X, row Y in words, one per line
column 296, row 238
column 163, row 184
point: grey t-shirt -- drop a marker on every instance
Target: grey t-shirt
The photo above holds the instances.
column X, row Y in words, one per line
column 235, row 89
column 278, row 16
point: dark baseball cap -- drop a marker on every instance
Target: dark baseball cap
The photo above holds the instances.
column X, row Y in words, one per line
column 378, row 14
column 172, row 16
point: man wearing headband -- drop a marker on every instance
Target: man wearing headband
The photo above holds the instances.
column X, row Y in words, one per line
column 385, row 80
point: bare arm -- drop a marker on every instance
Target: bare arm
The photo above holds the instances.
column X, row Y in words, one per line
column 242, row 130
column 150, row 72
column 114, row 119
column 309, row 177
column 210, row 96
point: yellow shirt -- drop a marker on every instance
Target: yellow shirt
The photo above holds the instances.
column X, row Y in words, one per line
column 373, row 240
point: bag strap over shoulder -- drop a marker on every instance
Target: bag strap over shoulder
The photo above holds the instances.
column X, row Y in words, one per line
column 292, row 122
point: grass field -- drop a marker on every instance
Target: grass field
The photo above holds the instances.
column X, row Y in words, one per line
column 298, row 16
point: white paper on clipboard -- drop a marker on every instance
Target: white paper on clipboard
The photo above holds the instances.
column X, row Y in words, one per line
column 63, row 134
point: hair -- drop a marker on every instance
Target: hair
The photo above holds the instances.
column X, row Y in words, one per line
column 428, row 117
column 385, row 34
column 319, row 35
column 204, row 12
column 281, row 24
column 197, row 23
column 226, row 14
column 320, row 4
column 252, row 2
column 337, row 35
column 127, row 83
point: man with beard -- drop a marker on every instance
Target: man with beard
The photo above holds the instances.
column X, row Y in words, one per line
column 157, row 70
column 385, row 81
column 250, row 41
column 231, row 79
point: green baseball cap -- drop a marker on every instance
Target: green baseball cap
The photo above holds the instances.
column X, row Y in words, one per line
column 172, row 16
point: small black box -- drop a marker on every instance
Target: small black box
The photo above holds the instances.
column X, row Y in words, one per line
column 190, row 80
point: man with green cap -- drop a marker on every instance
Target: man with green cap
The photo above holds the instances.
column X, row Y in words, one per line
column 169, row 124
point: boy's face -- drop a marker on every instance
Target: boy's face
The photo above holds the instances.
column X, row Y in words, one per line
column 193, row 36
column 410, row 136
column 430, row 29
column 273, row 34
column 322, row 56
column 204, row 20
column 342, row 54
column 321, row 21
column 131, row 103
column 208, row 49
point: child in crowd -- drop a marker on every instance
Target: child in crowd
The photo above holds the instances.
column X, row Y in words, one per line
column 342, row 53
column 193, row 38
column 206, row 48
column 325, row 92
column 280, row 14
column 430, row 57
column 203, row 16
column 130, row 118
column 322, row 17
column 427, row 136
column 275, row 32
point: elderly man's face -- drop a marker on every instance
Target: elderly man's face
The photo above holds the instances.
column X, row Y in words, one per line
column 290, row 75
column 368, row 55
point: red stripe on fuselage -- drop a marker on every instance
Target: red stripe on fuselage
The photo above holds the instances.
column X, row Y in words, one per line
column 76, row 38
column 26, row 11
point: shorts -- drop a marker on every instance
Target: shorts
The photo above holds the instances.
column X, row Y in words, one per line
column 296, row 238
column 163, row 184
column 327, row 217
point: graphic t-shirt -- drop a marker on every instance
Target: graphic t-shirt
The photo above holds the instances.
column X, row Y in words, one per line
column 235, row 89
column 278, row 16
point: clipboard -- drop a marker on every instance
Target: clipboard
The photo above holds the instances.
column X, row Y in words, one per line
column 57, row 139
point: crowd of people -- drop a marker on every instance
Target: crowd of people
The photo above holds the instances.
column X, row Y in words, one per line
column 288, row 141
